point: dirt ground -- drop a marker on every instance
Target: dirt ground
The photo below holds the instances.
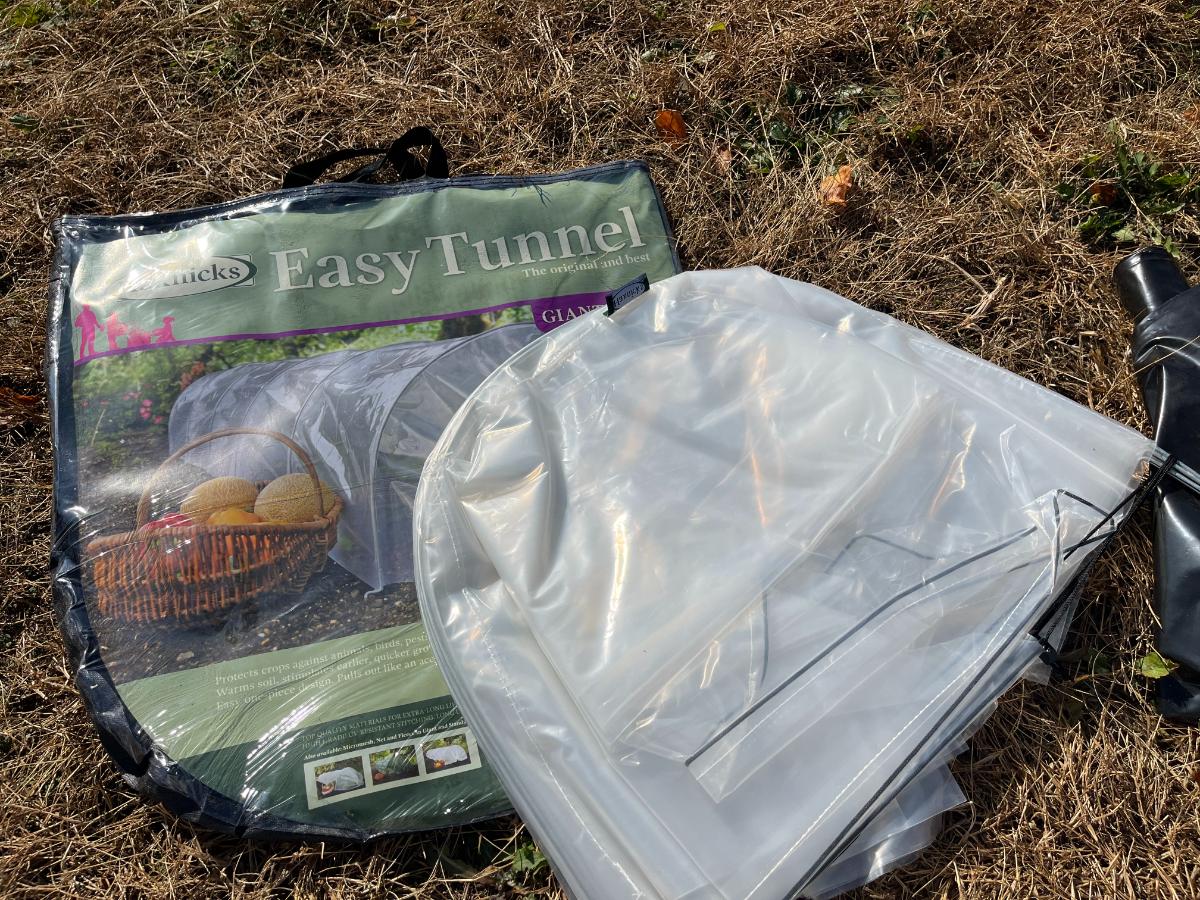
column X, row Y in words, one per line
column 994, row 147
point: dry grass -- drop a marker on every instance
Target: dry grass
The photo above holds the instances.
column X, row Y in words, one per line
column 974, row 110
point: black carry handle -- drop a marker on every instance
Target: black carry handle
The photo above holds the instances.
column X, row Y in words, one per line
column 407, row 165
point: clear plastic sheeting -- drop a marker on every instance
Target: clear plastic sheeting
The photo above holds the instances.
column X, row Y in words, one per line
column 370, row 417
column 722, row 580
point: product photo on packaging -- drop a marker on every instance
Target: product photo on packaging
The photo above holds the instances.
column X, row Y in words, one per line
column 243, row 398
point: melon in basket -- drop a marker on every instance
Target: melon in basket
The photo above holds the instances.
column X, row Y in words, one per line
column 216, row 494
column 292, row 499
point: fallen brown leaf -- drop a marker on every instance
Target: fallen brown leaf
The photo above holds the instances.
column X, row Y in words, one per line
column 17, row 408
column 9, row 397
column 836, row 188
column 1102, row 192
column 671, row 126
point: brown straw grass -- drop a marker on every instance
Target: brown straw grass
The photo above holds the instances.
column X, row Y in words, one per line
column 972, row 112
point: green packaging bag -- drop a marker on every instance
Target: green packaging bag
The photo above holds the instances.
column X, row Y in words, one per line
column 243, row 397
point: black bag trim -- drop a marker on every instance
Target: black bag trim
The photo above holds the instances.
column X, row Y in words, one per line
column 398, row 153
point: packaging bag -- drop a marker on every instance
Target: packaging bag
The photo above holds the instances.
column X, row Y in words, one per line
column 724, row 579
column 1166, row 361
column 244, row 395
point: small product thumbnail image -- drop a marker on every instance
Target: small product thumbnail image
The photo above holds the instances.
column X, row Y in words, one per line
column 446, row 753
column 394, row 764
column 339, row 777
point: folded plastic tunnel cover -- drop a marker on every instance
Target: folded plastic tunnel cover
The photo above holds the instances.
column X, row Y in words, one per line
column 722, row 580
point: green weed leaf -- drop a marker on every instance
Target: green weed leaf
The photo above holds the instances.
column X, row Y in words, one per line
column 527, row 859
column 27, row 15
column 1174, row 182
column 1126, row 196
column 781, row 133
column 1155, row 665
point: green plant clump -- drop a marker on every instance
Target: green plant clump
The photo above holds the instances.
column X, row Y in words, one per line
column 1125, row 197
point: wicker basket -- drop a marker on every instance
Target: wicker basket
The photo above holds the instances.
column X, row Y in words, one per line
column 204, row 571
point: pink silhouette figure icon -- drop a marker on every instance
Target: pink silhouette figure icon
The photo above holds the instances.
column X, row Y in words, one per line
column 88, row 325
column 137, row 338
column 165, row 333
column 114, row 329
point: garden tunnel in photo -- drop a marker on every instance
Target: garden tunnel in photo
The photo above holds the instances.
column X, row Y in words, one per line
column 368, row 418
